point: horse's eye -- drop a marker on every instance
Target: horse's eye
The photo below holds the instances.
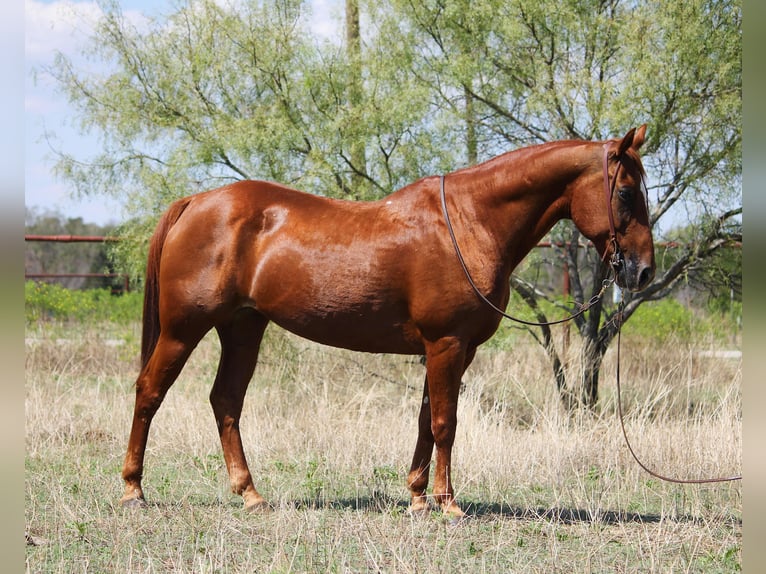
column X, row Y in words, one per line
column 625, row 194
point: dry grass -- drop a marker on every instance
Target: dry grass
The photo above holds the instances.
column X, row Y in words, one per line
column 329, row 435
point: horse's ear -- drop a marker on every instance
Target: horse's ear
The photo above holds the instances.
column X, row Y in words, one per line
column 639, row 138
column 626, row 142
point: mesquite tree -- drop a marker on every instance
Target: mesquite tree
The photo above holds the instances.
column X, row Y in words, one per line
column 215, row 92
column 529, row 71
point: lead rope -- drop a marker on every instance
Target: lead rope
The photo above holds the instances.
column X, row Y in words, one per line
column 625, row 433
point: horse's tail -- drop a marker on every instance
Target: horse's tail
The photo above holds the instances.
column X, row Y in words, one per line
column 151, row 320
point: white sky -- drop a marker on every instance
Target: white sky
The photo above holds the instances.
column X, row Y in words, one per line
column 63, row 25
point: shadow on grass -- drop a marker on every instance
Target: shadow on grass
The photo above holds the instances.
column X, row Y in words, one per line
column 473, row 510
column 480, row 510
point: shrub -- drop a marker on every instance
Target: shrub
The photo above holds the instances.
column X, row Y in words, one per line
column 661, row 320
column 46, row 302
column 668, row 319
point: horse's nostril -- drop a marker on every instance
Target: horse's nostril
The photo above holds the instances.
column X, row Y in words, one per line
column 645, row 277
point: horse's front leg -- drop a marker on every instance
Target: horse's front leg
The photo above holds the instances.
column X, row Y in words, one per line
column 446, row 360
column 417, row 479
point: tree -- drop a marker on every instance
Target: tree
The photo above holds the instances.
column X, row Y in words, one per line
column 212, row 94
column 539, row 70
column 358, row 156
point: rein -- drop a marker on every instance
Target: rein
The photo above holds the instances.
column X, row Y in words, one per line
column 616, row 260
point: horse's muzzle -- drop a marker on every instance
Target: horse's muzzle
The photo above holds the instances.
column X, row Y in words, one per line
column 634, row 275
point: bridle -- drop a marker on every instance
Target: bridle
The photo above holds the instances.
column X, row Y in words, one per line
column 616, row 261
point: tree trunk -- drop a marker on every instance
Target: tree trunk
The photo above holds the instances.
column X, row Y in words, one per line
column 358, row 156
column 592, row 358
column 471, row 141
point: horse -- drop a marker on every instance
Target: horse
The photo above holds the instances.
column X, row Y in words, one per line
column 379, row 276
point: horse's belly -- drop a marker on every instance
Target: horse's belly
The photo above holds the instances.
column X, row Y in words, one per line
column 358, row 329
column 365, row 342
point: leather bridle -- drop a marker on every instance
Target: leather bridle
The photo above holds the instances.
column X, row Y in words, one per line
column 617, row 259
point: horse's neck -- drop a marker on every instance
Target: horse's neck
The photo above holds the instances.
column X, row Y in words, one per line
column 520, row 196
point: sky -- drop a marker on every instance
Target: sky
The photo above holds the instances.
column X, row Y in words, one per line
column 52, row 26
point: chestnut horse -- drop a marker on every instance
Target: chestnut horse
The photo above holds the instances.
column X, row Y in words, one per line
column 380, row 276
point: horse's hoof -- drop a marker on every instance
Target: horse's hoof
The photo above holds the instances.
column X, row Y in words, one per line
column 419, row 507
column 455, row 516
column 133, row 503
column 259, row 507
column 453, row 513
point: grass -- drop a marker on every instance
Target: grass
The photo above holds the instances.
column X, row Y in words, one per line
column 329, row 435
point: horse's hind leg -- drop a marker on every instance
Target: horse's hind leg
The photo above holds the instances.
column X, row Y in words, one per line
column 240, row 340
column 152, row 385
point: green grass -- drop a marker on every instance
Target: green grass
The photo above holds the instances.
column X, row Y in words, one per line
column 52, row 302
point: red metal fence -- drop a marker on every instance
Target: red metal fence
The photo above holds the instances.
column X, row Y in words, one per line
column 76, row 239
column 126, row 278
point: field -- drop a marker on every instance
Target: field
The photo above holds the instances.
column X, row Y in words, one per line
column 329, row 435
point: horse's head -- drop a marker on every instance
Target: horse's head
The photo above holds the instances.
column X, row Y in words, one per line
column 613, row 211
